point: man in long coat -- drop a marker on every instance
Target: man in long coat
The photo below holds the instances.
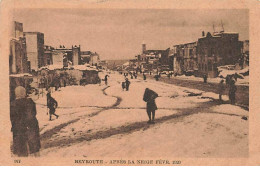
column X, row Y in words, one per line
column 25, row 127
column 149, row 97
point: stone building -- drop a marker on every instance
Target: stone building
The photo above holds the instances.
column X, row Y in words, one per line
column 69, row 56
column 178, row 58
column 18, row 58
column 216, row 50
column 190, row 57
column 48, row 50
column 35, row 49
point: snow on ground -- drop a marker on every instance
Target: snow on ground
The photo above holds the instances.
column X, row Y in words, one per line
column 244, row 81
column 212, row 132
column 107, row 119
column 199, row 135
column 73, row 101
column 230, row 109
column 89, row 95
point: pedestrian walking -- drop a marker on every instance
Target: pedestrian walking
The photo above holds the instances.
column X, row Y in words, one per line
column 156, row 77
column 232, row 92
column 123, row 86
column 127, row 84
column 52, row 104
column 149, row 97
column 106, row 78
column 144, row 76
column 205, row 77
column 25, row 127
column 221, row 89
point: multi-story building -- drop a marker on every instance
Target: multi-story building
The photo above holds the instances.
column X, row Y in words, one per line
column 59, row 58
column 178, row 58
column 91, row 58
column 190, row 57
column 149, row 59
column 85, row 56
column 18, row 58
column 35, row 49
column 71, row 56
column 216, row 50
column 47, row 59
column 94, row 59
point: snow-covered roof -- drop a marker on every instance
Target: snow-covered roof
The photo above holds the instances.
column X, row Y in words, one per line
column 224, row 72
column 20, row 75
column 83, row 67
column 126, row 64
column 52, row 67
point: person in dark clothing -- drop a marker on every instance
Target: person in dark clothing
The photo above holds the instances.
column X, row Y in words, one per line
column 52, row 104
column 127, row 84
column 157, row 77
column 221, row 89
column 25, row 127
column 106, row 79
column 232, row 92
column 149, row 97
column 144, row 76
column 123, row 86
column 205, row 77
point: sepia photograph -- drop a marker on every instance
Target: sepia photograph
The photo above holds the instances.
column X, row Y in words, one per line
column 128, row 86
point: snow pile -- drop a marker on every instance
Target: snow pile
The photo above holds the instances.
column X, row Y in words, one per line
column 224, row 73
column 21, row 75
column 83, row 67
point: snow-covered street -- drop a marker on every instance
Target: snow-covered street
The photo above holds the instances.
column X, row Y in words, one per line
column 105, row 121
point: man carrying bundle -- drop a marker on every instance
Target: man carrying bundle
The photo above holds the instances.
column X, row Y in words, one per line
column 149, row 98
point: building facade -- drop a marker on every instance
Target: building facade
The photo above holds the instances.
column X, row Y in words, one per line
column 217, row 50
column 48, row 50
column 190, row 57
column 35, row 49
column 18, row 58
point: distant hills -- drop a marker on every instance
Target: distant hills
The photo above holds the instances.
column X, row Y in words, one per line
column 114, row 63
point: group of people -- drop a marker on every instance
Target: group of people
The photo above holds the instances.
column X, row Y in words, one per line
column 231, row 92
column 126, row 84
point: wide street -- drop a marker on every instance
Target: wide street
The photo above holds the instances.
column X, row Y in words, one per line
column 105, row 121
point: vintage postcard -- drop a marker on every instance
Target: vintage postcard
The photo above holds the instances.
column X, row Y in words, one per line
column 129, row 83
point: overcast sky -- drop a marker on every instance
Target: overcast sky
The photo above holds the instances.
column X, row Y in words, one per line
column 119, row 33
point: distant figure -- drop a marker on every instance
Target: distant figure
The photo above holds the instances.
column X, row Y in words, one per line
column 169, row 75
column 149, row 97
column 232, row 92
column 150, row 73
column 123, row 86
column 156, row 77
column 144, row 76
column 221, row 89
column 25, row 127
column 127, row 84
column 52, row 104
column 132, row 76
column 106, row 79
column 205, row 77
